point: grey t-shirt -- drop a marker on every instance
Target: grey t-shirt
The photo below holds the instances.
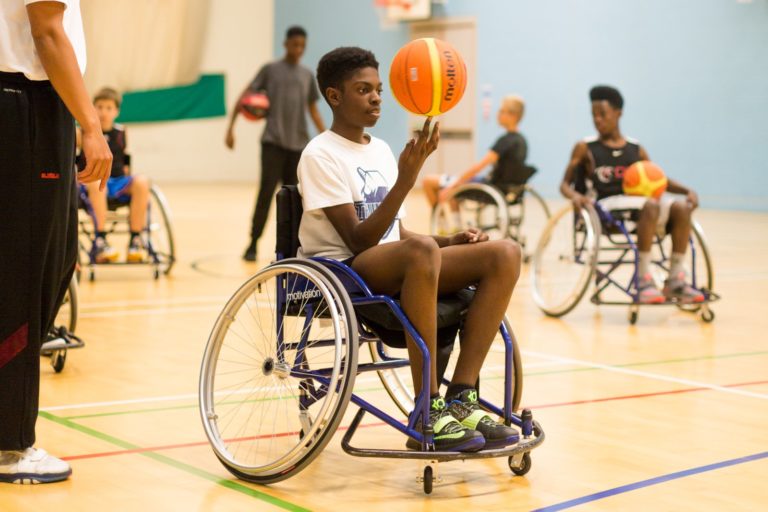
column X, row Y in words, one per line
column 290, row 88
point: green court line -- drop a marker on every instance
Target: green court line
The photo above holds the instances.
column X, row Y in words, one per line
column 235, row 486
column 525, row 374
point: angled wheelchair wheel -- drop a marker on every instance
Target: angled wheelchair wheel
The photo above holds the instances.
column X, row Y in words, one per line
column 66, row 317
column 565, row 260
column 160, row 245
column 472, row 205
column 699, row 268
column 278, row 371
column 399, row 384
column 528, row 216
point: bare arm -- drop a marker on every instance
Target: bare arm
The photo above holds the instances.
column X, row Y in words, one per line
column 359, row 236
column 317, row 119
column 60, row 63
column 578, row 158
column 675, row 186
column 229, row 139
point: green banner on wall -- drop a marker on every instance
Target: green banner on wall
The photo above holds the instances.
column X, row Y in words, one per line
column 204, row 98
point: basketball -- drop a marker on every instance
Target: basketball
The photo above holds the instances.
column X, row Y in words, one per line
column 254, row 105
column 428, row 77
column 644, row 178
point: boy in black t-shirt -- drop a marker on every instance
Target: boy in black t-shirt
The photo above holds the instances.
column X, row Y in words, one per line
column 122, row 184
column 507, row 156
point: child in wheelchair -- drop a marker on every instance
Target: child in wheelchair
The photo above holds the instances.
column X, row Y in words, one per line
column 353, row 190
column 123, row 187
column 507, row 156
column 601, row 161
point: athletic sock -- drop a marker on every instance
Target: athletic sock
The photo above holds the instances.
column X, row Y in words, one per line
column 643, row 264
column 455, row 390
column 101, row 234
column 676, row 264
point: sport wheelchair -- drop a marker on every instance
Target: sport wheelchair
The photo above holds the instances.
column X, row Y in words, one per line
column 281, row 362
column 514, row 210
column 61, row 336
column 157, row 235
column 575, row 246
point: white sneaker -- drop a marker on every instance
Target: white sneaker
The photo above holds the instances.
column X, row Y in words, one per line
column 32, row 466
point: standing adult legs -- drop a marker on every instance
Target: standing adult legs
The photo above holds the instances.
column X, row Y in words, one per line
column 272, row 162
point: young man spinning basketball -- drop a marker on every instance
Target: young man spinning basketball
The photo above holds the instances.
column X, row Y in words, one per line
column 602, row 160
column 353, row 190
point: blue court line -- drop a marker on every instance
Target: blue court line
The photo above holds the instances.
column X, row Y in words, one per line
column 651, row 481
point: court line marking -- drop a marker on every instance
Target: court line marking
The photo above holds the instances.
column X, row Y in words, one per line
column 649, row 482
column 542, row 406
column 370, row 379
column 230, row 484
column 649, row 375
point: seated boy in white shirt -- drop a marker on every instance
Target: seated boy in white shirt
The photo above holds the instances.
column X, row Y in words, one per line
column 353, row 190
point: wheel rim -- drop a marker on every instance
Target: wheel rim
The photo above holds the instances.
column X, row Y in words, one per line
column 564, row 260
column 250, row 389
column 478, row 206
column 159, row 235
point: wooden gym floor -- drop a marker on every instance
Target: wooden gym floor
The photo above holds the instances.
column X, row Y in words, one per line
column 671, row 414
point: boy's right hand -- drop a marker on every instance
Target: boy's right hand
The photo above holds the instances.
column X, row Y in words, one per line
column 98, row 158
column 416, row 152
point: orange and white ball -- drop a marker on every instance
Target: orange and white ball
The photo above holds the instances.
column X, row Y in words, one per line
column 644, row 178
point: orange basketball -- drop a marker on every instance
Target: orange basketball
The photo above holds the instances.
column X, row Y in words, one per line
column 428, row 77
column 644, row 178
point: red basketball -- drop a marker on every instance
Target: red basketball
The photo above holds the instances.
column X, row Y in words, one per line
column 428, row 77
column 254, row 105
column 644, row 178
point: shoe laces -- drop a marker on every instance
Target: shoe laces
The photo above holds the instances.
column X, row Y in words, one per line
column 437, row 411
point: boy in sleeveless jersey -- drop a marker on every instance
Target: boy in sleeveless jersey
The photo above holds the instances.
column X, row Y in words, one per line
column 601, row 161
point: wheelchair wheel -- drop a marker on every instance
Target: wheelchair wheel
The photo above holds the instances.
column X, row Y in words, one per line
column 565, row 260
column 278, row 371
column 66, row 316
column 699, row 268
column 159, row 233
column 477, row 206
column 399, row 384
column 528, row 216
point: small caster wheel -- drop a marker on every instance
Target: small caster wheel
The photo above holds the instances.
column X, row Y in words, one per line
column 157, row 274
column 428, row 479
column 58, row 360
column 524, row 467
column 633, row 311
column 707, row 315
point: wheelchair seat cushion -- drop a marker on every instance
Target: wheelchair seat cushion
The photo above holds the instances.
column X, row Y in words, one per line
column 451, row 310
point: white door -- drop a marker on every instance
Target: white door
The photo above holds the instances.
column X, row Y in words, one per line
column 457, row 127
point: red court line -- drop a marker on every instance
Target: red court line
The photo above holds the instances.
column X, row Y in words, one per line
column 368, row 425
column 196, row 443
column 643, row 395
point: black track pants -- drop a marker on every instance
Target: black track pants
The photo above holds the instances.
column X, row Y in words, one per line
column 38, row 241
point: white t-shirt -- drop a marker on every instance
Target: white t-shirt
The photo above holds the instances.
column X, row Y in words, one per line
column 17, row 48
column 334, row 170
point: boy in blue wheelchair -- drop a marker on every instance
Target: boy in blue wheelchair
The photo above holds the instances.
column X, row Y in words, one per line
column 353, row 190
column 602, row 160
column 122, row 187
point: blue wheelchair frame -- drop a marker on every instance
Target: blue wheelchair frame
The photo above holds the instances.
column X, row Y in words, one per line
column 613, row 224
column 360, row 294
column 155, row 258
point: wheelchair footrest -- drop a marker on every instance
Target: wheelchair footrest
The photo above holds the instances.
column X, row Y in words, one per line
column 60, row 339
column 524, row 446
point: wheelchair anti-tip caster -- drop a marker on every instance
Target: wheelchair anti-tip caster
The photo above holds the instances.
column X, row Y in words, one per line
column 58, row 360
column 707, row 315
column 633, row 312
column 428, row 477
column 520, row 464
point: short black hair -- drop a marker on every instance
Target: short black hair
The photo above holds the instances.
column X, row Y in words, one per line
column 607, row 93
column 337, row 65
column 295, row 31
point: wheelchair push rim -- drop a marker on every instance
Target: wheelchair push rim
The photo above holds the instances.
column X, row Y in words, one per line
column 565, row 260
column 271, row 396
column 160, row 244
column 478, row 206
